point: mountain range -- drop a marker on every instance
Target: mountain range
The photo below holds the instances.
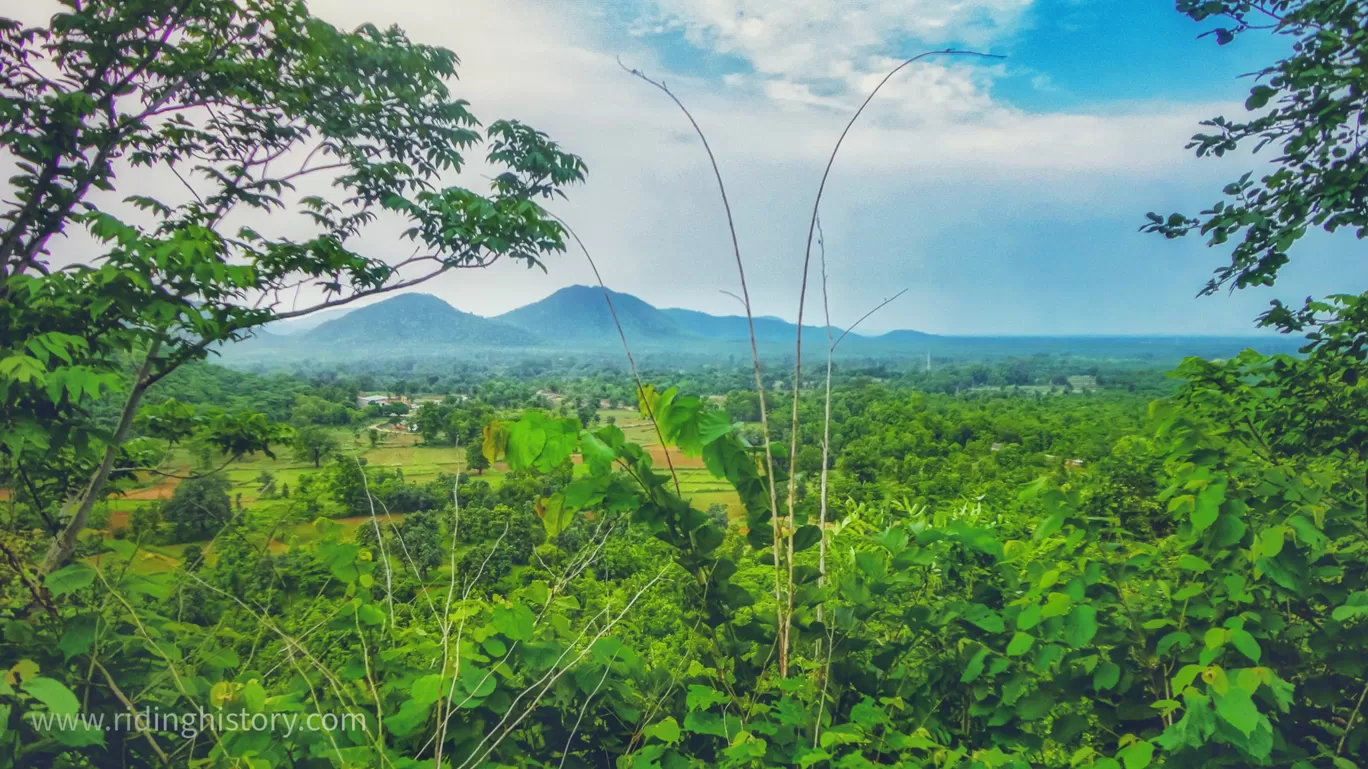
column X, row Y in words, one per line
column 577, row 318
column 573, row 317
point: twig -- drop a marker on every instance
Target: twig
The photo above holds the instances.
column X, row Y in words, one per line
column 826, row 433
column 379, row 538
column 1349, row 726
column 122, row 698
column 802, row 299
column 606, row 670
column 641, row 388
column 882, row 305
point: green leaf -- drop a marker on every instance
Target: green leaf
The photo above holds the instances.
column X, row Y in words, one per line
column 1050, row 525
column 975, row 667
column 1181, row 638
column 712, row 723
column 78, row 637
column 1020, row 644
column 370, row 614
column 1081, row 627
column 69, row 579
column 1258, row 98
column 556, row 515
column 1029, row 617
column 984, row 618
column 703, row 697
column 516, row 622
column 1035, row 706
column 1208, row 506
column 526, row 439
column 478, row 683
column 1194, row 728
column 1247, row 645
column 1106, row 676
column 1237, row 708
column 427, row 689
column 1271, row 541
column 1138, row 755
column 1193, row 563
column 1308, row 534
column 52, row 693
column 666, row 731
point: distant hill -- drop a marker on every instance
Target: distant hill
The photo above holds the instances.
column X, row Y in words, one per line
column 901, row 337
column 734, row 327
column 579, row 314
column 414, row 320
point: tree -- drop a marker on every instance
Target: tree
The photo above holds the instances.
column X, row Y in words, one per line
column 144, row 522
column 431, row 420
column 313, row 443
column 809, row 459
column 1311, row 104
column 349, row 486
column 475, row 459
column 1318, row 100
column 199, row 507
column 422, row 541
column 266, row 484
column 743, row 405
column 587, row 412
column 221, row 99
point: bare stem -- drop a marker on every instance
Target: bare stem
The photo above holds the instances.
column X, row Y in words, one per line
column 862, row 319
column 755, row 350
column 802, row 299
column 641, row 388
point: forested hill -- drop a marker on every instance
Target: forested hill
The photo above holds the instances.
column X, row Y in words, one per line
column 415, row 319
column 580, row 314
column 767, row 328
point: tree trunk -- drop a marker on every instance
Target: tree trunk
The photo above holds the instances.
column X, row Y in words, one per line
column 64, row 545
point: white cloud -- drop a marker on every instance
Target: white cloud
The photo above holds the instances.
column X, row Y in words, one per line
column 798, row 39
column 844, row 48
column 934, row 155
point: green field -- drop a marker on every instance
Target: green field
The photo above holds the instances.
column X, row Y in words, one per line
column 274, row 526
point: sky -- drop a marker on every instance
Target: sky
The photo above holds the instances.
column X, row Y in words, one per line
column 1004, row 194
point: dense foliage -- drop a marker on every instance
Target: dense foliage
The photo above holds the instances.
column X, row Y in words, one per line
column 1038, row 562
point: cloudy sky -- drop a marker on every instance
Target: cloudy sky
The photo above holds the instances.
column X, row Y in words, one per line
column 1005, row 195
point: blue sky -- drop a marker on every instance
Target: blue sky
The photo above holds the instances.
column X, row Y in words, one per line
column 1005, row 195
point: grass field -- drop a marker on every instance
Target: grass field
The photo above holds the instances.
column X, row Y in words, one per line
column 695, row 481
column 397, row 450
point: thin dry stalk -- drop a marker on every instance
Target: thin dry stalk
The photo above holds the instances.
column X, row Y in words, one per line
column 755, row 350
column 784, row 624
column 865, row 317
column 379, row 539
column 631, row 362
column 826, row 431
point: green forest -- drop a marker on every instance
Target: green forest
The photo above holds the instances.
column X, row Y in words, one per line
column 1066, row 558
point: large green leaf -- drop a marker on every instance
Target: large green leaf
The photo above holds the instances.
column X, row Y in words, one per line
column 1081, row 626
column 1236, row 708
column 52, row 693
column 69, row 579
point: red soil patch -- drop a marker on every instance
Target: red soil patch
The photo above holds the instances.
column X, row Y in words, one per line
column 162, row 489
column 679, row 460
